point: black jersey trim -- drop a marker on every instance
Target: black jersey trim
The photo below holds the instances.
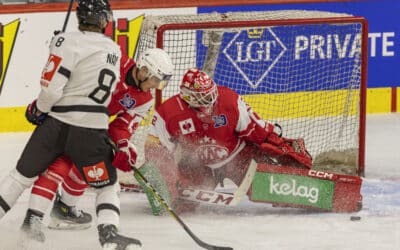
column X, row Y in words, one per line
column 80, row 108
column 4, row 205
column 107, row 206
column 65, row 72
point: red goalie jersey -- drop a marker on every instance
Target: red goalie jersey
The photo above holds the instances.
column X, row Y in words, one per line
column 208, row 133
column 212, row 133
column 215, row 139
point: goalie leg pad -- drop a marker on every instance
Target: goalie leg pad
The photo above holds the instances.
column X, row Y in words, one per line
column 296, row 187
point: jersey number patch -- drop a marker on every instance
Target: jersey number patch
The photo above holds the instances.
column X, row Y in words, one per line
column 102, row 92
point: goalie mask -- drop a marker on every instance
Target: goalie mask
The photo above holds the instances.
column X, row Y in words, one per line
column 158, row 65
column 198, row 89
column 94, row 12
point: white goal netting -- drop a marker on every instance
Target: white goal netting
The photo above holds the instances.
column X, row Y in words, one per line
column 304, row 70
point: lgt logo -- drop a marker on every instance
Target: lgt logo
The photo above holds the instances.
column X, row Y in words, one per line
column 256, row 48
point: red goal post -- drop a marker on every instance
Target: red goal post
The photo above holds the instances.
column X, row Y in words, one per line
column 305, row 70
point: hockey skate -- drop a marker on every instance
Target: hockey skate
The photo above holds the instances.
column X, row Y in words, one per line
column 111, row 240
column 32, row 226
column 64, row 217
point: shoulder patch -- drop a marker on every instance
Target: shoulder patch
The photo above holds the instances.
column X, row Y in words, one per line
column 127, row 101
column 50, row 69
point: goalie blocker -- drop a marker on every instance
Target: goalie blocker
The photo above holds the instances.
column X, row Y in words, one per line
column 306, row 188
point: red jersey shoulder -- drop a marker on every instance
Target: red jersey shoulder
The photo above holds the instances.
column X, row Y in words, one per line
column 126, row 64
column 227, row 95
column 172, row 107
column 127, row 97
column 179, row 118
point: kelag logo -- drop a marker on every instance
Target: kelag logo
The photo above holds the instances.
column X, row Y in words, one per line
column 8, row 33
column 293, row 189
column 254, row 48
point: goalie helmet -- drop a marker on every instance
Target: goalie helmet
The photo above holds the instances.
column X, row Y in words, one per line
column 198, row 89
column 94, row 12
column 158, row 64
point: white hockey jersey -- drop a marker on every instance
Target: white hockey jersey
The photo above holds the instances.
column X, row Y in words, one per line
column 82, row 71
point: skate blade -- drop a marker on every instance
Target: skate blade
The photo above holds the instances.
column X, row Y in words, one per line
column 62, row 225
column 114, row 246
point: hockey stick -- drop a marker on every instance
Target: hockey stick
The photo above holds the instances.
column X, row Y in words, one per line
column 174, row 215
column 56, row 32
column 221, row 198
column 67, row 16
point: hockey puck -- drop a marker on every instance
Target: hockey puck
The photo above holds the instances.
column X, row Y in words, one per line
column 355, row 218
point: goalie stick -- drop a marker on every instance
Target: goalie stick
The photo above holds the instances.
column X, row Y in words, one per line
column 174, row 215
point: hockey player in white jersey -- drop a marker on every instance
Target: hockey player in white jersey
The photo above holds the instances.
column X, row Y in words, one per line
column 76, row 86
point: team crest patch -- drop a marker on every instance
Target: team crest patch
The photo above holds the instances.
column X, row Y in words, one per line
column 127, row 101
column 219, row 120
column 96, row 175
column 187, row 126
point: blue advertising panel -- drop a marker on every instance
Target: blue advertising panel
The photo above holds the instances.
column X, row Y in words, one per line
column 383, row 21
column 287, row 59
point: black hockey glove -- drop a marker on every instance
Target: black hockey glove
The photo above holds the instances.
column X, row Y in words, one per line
column 34, row 115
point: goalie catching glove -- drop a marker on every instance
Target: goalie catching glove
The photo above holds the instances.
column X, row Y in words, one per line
column 34, row 115
column 126, row 156
column 287, row 151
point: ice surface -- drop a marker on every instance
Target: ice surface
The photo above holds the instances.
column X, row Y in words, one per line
column 248, row 226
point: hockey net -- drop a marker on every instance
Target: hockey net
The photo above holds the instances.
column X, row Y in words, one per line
column 305, row 70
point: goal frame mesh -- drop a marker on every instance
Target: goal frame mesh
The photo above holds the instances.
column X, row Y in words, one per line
column 160, row 30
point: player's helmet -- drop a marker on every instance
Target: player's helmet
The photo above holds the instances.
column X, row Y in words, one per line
column 158, row 64
column 94, row 12
column 198, row 89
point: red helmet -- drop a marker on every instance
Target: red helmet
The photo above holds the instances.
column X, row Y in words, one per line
column 198, row 89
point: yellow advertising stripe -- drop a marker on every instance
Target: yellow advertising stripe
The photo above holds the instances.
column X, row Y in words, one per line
column 298, row 104
column 398, row 99
column 378, row 101
column 13, row 120
column 304, row 104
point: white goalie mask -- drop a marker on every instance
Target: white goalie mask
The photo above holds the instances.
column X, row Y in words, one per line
column 158, row 64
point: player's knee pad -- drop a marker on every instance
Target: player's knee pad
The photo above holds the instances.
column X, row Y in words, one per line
column 12, row 187
column 108, row 204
